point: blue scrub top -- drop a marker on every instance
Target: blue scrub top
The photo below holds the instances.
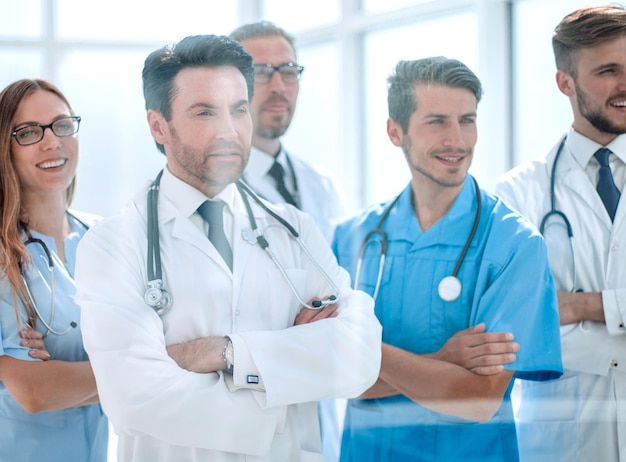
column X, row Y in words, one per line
column 73, row 434
column 507, row 284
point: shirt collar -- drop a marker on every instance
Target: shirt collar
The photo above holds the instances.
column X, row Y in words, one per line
column 583, row 149
column 462, row 213
column 187, row 199
column 260, row 162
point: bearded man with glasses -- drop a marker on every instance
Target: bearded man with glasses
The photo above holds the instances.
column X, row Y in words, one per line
column 272, row 172
column 281, row 177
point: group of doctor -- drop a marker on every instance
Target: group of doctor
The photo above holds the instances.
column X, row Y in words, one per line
column 455, row 292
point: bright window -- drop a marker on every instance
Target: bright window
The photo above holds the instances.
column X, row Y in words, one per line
column 295, row 16
column 143, row 20
column 387, row 172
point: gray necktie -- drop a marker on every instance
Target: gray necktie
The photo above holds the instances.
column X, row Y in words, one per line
column 211, row 211
column 606, row 185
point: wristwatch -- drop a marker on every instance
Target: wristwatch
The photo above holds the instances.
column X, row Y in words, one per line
column 228, row 355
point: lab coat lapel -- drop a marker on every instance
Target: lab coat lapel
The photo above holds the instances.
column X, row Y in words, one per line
column 572, row 181
column 183, row 228
column 242, row 247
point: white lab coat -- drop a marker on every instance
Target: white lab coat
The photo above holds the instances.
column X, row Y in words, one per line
column 582, row 415
column 318, row 194
column 164, row 413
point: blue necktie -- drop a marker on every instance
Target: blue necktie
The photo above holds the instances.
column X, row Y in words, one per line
column 606, row 186
column 211, row 211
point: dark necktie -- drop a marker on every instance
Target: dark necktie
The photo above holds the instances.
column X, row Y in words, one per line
column 606, row 186
column 278, row 173
column 211, row 211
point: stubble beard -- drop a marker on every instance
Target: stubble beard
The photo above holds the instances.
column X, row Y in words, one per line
column 595, row 115
column 406, row 149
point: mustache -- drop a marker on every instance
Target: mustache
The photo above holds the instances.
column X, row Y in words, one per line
column 463, row 152
column 618, row 97
column 225, row 146
column 276, row 99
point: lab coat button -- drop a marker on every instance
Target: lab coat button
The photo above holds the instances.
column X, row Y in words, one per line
column 237, row 313
column 613, row 363
column 614, row 248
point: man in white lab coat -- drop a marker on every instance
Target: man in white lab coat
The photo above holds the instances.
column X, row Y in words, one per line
column 582, row 415
column 232, row 370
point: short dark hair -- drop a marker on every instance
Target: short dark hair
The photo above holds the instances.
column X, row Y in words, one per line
column 437, row 70
column 262, row 29
column 162, row 66
column 584, row 28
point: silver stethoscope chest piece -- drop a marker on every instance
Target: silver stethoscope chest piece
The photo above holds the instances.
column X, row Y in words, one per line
column 449, row 288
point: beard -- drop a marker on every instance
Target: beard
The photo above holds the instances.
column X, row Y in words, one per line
column 270, row 131
column 200, row 167
column 414, row 165
column 271, row 126
column 596, row 115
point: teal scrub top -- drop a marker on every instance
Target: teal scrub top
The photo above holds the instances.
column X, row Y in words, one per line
column 506, row 283
column 73, row 434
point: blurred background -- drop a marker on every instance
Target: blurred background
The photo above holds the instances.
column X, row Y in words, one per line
column 94, row 51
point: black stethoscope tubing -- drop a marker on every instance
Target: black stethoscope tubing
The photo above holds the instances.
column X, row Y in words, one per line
column 553, row 209
column 444, row 283
column 558, row 213
column 160, row 299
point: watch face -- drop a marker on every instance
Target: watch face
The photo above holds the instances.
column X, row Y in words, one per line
column 228, row 355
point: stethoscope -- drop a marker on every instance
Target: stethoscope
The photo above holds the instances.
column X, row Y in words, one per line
column 50, row 263
column 157, row 297
column 558, row 213
column 449, row 288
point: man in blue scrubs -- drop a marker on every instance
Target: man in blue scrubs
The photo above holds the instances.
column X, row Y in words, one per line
column 416, row 412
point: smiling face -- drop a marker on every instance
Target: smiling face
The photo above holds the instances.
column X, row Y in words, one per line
column 207, row 140
column 49, row 165
column 441, row 135
column 598, row 92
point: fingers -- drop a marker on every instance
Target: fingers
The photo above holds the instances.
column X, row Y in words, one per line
column 495, row 345
column 34, row 339
column 307, row 315
column 492, row 363
column 39, row 354
column 484, row 338
column 30, row 333
column 488, row 370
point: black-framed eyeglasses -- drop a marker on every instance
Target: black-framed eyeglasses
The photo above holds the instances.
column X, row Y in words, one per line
column 31, row 134
column 289, row 73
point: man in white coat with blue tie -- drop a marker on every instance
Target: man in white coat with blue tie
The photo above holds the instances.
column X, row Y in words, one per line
column 575, row 190
column 211, row 330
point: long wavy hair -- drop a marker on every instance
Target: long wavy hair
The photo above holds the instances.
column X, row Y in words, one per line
column 13, row 216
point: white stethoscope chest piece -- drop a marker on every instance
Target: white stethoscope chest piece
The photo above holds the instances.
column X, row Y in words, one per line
column 449, row 288
column 248, row 236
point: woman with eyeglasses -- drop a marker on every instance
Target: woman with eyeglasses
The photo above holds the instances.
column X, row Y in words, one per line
column 49, row 406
